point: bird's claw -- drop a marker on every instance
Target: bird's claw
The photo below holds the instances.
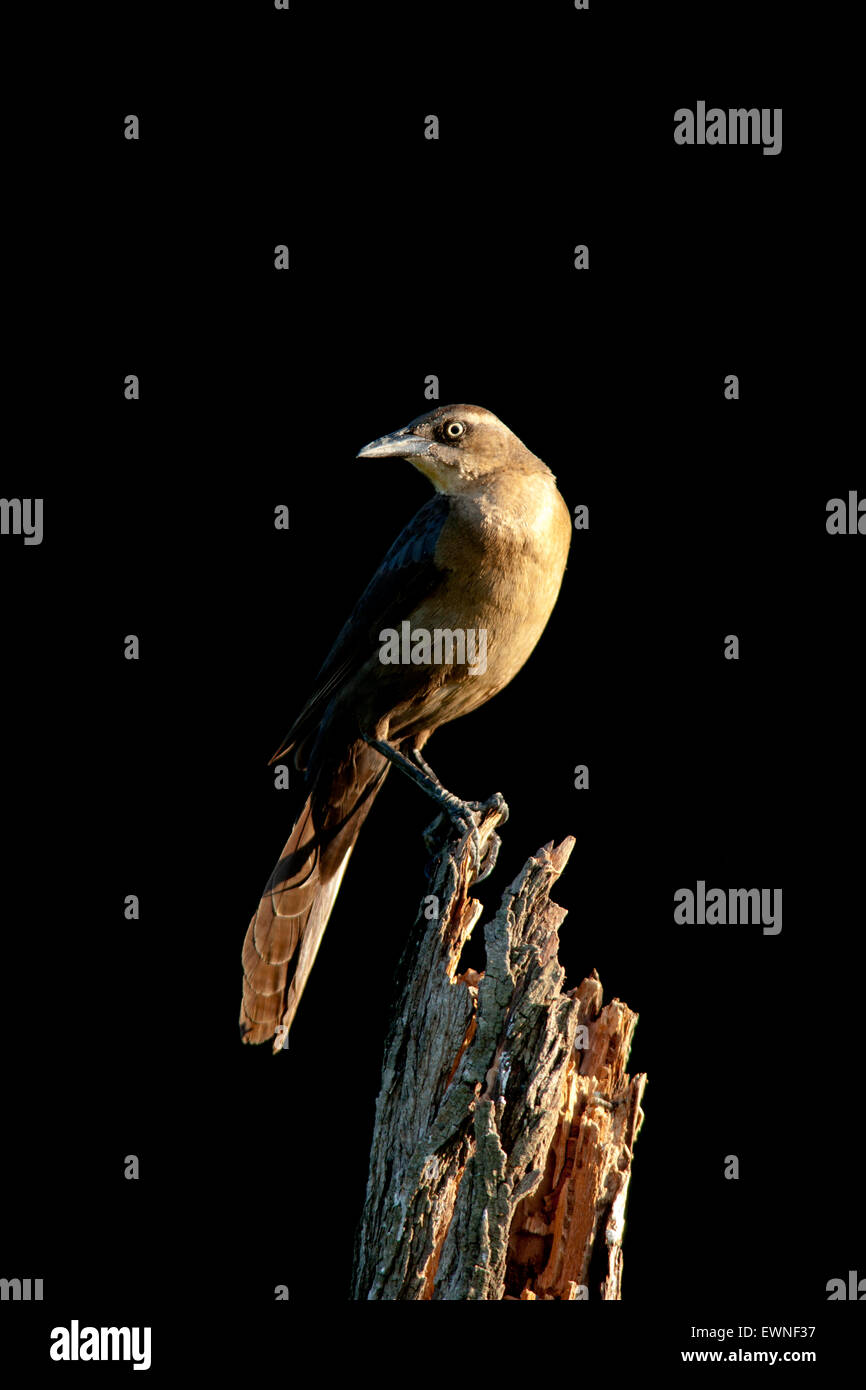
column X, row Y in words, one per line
column 472, row 840
column 496, row 802
column 491, row 854
column 466, row 819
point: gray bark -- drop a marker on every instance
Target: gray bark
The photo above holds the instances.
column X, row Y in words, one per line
column 501, row 1153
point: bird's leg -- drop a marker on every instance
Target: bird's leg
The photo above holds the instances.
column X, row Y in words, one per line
column 416, row 757
column 494, row 843
column 461, row 813
column 496, row 801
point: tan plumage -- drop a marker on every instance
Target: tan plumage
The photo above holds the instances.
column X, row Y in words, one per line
column 488, row 552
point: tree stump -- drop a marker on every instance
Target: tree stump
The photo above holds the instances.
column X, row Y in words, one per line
column 505, row 1123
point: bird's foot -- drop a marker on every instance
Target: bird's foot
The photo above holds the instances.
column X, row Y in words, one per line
column 463, row 817
column 491, row 854
column 496, row 802
column 466, row 818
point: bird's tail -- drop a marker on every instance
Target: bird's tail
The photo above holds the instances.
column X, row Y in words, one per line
column 287, row 927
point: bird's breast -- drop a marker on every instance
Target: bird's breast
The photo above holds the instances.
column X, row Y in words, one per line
column 505, row 557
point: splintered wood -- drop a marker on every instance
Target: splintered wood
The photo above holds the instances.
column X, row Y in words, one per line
column 506, row 1122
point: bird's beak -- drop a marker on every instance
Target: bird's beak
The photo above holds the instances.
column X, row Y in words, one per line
column 402, row 444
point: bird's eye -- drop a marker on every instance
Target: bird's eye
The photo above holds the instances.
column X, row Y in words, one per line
column 454, row 429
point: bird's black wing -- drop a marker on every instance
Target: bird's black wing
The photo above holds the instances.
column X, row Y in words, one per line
column 407, row 574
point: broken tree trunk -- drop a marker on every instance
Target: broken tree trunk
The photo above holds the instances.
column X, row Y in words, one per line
column 505, row 1123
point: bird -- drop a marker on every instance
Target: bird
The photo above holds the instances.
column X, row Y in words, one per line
column 481, row 565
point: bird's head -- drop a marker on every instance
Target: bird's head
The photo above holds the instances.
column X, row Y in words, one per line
column 455, row 446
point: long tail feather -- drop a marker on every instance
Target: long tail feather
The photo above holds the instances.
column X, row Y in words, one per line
column 286, row 930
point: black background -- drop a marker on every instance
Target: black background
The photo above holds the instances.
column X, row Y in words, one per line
column 707, row 517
